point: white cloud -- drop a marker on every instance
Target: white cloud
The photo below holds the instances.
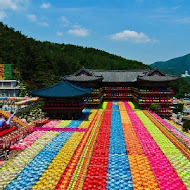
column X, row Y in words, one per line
column 45, row 5
column 32, row 17
column 130, row 35
column 79, row 31
column 59, row 33
column 65, row 20
column 43, row 23
column 2, row 15
column 8, row 4
column 13, row 4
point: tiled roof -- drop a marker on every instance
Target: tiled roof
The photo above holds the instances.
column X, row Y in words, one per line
column 158, row 78
column 156, row 70
column 108, row 75
column 120, row 75
column 63, row 89
column 83, row 70
column 82, row 78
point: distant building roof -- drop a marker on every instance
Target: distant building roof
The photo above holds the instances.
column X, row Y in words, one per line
column 186, row 74
column 63, row 89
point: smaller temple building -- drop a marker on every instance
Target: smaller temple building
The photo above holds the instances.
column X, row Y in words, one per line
column 63, row 100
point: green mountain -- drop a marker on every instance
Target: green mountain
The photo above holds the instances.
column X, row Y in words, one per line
column 176, row 66
column 43, row 63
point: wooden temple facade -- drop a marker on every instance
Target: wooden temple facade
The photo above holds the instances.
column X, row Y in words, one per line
column 143, row 87
column 63, row 100
column 88, row 88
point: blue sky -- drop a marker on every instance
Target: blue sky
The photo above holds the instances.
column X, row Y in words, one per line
column 143, row 30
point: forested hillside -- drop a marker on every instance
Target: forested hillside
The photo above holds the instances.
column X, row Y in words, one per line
column 176, row 66
column 42, row 63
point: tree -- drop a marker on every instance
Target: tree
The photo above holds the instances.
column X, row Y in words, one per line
column 178, row 108
column 39, row 64
column 155, row 107
column 180, row 87
column 186, row 125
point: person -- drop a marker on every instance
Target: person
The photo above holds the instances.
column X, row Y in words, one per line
column 4, row 123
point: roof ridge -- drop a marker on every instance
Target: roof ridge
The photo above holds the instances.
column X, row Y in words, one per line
column 130, row 70
column 83, row 69
column 77, row 87
column 61, row 87
column 156, row 69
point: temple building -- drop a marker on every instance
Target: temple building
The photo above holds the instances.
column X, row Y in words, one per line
column 88, row 88
column 143, row 87
column 63, row 100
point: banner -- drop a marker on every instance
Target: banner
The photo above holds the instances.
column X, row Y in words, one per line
column 2, row 72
